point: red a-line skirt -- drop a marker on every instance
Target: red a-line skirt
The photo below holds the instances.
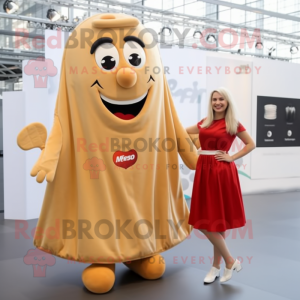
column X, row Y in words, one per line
column 216, row 203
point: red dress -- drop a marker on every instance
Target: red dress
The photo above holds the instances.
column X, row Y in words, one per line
column 217, row 202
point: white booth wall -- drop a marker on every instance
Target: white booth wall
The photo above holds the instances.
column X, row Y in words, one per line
column 190, row 87
column 23, row 196
column 187, row 84
column 277, row 167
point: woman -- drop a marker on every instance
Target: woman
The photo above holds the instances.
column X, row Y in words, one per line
column 217, row 203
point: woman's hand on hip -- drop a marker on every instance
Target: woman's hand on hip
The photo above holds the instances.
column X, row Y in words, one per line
column 223, row 156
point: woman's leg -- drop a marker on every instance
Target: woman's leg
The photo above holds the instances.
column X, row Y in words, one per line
column 217, row 254
column 219, row 242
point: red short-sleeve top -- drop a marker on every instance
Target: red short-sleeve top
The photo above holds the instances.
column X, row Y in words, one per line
column 216, row 137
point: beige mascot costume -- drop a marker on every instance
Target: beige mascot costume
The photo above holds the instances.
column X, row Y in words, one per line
column 111, row 160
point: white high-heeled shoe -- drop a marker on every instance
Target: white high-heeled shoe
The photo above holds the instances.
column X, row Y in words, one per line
column 212, row 275
column 228, row 272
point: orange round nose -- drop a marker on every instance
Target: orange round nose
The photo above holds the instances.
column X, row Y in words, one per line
column 126, row 78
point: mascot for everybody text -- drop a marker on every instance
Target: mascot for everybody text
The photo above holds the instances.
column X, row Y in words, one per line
column 109, row 159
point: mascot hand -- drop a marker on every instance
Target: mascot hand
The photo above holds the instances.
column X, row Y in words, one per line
column 44, row 168
column 34, row 136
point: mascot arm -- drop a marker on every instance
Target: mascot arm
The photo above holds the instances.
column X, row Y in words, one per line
column 34, row 136
column 195, row 139
column 186, row 147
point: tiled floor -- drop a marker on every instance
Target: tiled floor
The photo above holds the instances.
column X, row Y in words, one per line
column 272, row 272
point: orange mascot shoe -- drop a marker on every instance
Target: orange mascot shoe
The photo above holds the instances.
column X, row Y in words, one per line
column 99, row 278
column 149, row 268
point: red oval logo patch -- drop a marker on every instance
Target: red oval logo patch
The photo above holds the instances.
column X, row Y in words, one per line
column 125, row 159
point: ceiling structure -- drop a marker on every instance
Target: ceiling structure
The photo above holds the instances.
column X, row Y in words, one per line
column 173, row 14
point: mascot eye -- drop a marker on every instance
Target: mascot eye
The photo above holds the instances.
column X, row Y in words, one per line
column 107, row 56
column 134, row 54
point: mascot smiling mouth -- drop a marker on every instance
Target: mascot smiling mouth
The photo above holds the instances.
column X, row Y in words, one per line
column 127, row 109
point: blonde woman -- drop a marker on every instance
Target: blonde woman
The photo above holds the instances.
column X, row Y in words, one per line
column 217, row 203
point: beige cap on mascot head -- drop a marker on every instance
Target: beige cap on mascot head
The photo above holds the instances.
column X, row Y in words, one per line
column 112, row 155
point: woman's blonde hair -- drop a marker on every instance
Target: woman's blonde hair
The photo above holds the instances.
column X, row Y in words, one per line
column 231, row 114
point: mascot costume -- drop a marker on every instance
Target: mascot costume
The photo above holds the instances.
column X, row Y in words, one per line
column 111, row 159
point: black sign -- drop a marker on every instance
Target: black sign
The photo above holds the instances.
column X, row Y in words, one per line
column 278, row 122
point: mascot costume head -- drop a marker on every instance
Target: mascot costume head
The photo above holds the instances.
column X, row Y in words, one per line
column 111, row 159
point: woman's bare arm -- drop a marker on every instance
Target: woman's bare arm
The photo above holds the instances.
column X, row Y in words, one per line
column 192, row 129
column 249, row 146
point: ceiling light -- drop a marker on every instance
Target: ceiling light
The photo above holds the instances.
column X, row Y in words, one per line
column 53, row 15
column 64, row 18
column 197, row 34
column 259, row 45
column 10, row 7
column 166, row 31
column 211, row 38
column 272, row 49
column 294, row 49
column 76, row 20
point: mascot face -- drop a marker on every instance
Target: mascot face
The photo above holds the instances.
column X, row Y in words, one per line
column 118, row 65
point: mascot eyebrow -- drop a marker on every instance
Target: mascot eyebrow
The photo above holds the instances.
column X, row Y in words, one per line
column 134, row 39
column 103, row 40
column 100, row 41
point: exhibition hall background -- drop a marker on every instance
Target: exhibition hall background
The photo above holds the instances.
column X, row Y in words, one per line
column 267, row 169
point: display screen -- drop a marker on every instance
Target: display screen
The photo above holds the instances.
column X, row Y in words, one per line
column 278, row 122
